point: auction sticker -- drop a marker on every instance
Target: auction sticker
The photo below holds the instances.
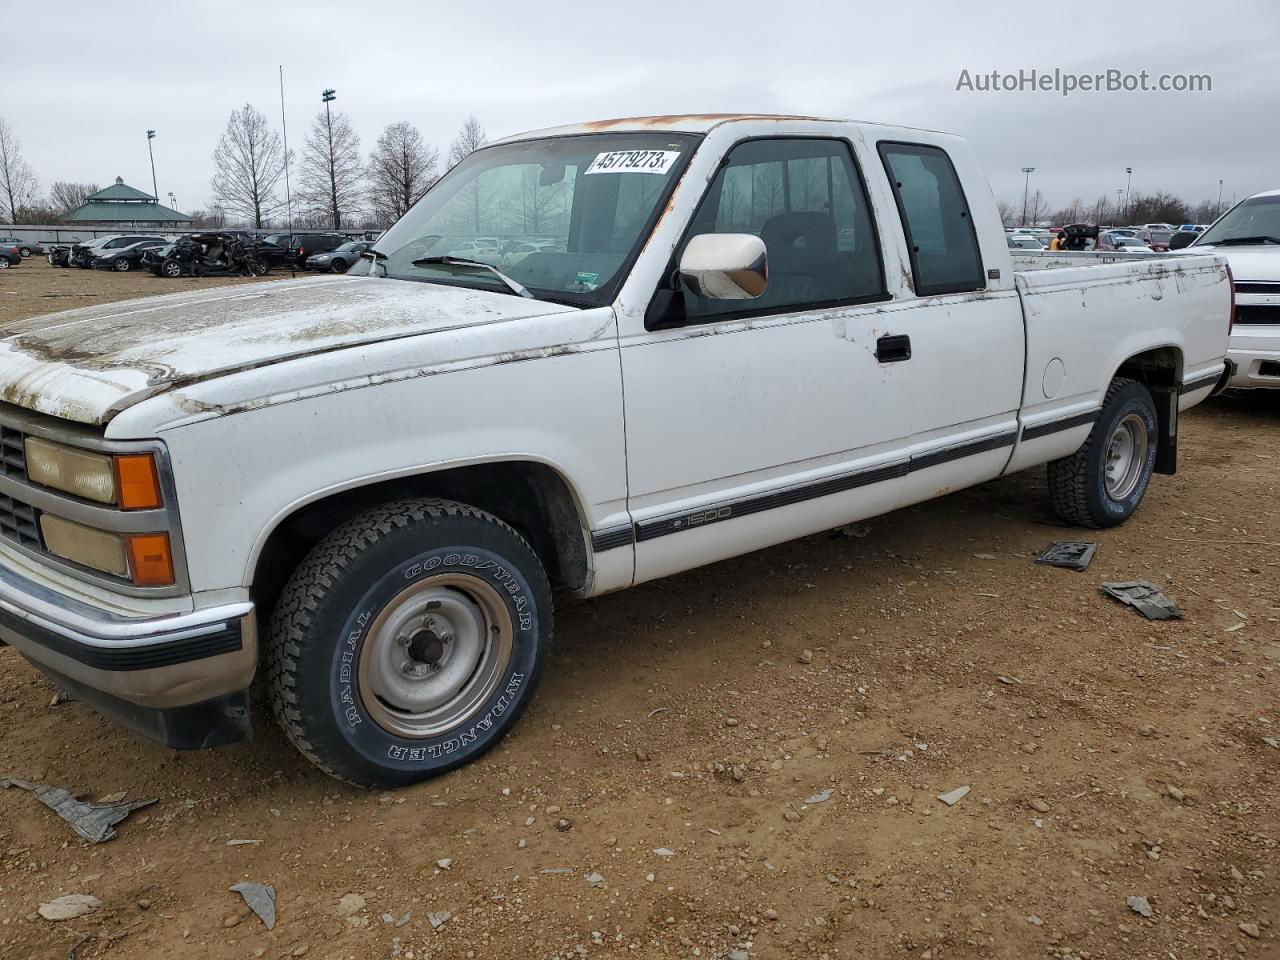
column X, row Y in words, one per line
column 633, row 161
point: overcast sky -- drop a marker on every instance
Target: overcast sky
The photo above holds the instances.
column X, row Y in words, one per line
column 86, row 81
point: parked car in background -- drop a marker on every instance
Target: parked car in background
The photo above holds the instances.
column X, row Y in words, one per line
column 1115, row 241
column 10, row 256
column 1156, row 238
column 1248, row 235
column 124, row 259
column 1024, row 241
column 521, row 250
column 339, row 260
column 299, row 246
column 403, row 464
column 26, row 248
column 83, row 254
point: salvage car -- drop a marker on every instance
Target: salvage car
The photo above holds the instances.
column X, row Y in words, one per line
column 233, row 253
column 362, row 489
column 124, row 259
column 26, row 248
column 59, row 255
column 1248, row 235
column 10, row 256
column 339, row 260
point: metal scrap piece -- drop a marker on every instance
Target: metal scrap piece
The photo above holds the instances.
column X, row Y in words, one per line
column 1072, row 554
column 260, row 898
column 1145, row 597
column 95, row 822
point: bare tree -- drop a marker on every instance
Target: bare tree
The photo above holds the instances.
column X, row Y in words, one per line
column 1008, row 215
column 18, row 183
column 401, row 169
column 469, row 139
column 331, row 172
column 1036, row 208
column 65, row 196
column 249, row 163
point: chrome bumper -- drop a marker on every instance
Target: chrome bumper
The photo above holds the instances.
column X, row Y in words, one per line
column 160, row 662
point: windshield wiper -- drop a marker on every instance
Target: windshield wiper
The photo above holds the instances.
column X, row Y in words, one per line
column 513, row 285
column 1258, row 239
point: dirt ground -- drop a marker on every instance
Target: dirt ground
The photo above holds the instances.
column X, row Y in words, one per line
column 683, row 726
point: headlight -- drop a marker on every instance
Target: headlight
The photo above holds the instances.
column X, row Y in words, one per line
column 143, row 558
column 129, row 480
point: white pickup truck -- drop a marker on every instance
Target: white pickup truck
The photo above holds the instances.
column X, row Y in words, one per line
column 718, row 333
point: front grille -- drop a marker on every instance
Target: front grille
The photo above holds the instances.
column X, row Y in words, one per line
column 1247, row 286
column 1258, row 313
column 20, row 523
column 13, row 453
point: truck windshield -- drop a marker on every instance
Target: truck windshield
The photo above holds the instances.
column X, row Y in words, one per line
column 1256, row 220
column 564, row 217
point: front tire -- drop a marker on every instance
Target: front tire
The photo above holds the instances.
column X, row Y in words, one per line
column 121, row 265
column 1102, row 483
column 171, row 268
column 408, row 642
column 24, row 252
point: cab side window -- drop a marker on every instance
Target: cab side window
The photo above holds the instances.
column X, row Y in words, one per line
column 805, row 200
column 940, row 237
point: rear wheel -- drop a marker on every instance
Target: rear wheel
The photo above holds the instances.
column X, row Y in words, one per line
column 171, row 268
column 408, row 642
column 1102, row 483
column 4, row 263
column 24, row 252
column 121, row 265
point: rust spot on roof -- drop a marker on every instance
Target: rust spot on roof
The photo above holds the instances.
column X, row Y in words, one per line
column 675, row 118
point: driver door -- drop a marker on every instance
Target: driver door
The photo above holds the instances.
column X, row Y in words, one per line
column 750, row 422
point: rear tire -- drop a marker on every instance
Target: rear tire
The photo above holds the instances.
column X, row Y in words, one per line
column 171, row 268
column 408, row 642
column 121, row 265
column 1102, row 483
column 24, row 252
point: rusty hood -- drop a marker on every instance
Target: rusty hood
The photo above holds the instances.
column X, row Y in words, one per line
column 88, row 364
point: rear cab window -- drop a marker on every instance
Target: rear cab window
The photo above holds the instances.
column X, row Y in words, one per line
column 940, row 235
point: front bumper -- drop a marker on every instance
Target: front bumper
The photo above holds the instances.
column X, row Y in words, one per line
column 179, row 678
column 1256, row 352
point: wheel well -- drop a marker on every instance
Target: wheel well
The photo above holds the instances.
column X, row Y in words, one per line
column 531, row 497
column 1158, row 368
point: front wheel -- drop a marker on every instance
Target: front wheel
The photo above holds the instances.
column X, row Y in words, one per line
column 171, row 268
column 1102, row 483
column 24, row 253
column 4, row 263
column 121, row 265
column 408, row 642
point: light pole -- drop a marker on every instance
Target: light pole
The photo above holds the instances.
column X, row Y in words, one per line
column 1026, row 186
column 1129, row 175
column 1119, row 212
column 1218, row 207
column 328, row 96
column 173, row 202
column 151, row 135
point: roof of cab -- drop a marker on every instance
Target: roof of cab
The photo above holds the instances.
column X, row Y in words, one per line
column 675, row 123
column 688, row 123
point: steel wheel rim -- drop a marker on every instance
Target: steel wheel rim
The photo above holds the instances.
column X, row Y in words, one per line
column 434, row 655
column 1126, row 457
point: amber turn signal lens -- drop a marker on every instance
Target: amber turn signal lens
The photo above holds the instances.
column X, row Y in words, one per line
column 150, row 561
column 138, row 484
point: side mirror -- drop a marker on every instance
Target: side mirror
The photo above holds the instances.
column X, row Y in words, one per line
column 725, row 266
column 1183, row 238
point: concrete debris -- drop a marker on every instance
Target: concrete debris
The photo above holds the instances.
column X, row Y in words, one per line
column 822, row 796
column 261, row 899
column 94, row 822
column 69, row 907
column 664, row 852
column 595, row 879
column 438, row 920
column 1139, row 905
column 350, row 904
column 952, row 797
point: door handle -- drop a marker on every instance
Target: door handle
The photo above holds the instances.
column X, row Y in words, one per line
column 893, row 348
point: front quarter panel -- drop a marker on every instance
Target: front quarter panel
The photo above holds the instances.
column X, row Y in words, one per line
column 251, row 448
